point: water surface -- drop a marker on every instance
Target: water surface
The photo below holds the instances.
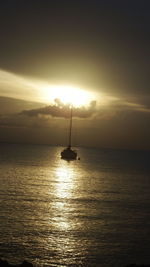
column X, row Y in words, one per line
column 92, row 212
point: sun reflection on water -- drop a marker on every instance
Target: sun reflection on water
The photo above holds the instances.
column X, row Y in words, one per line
column 65, row 181
column 63, row 191
column 64, row 218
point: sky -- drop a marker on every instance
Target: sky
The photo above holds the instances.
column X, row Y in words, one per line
column 99, row 46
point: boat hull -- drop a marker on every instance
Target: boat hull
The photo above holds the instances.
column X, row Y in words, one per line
column 69, row 154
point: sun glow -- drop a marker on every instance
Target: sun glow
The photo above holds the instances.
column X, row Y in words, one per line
column 68, row 95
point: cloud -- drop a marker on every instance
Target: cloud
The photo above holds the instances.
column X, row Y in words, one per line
column 117, row 124
column 17, row 86
column 116, row 105
column 46, row 116
column 62, row 110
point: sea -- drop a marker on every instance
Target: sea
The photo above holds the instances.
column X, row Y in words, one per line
column 90, row 212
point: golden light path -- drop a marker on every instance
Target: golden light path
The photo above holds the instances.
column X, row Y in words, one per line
column 64, row 186
column 67, row 95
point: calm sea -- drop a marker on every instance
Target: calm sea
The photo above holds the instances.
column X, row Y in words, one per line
column 90, row 212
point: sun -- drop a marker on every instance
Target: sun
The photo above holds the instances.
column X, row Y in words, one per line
column 74, row 96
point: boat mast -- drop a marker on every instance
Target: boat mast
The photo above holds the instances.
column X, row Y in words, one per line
column 70, row 130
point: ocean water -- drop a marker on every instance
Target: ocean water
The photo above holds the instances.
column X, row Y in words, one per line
column 90, row 212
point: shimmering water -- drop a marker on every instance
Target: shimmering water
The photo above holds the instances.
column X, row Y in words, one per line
column 92, row 212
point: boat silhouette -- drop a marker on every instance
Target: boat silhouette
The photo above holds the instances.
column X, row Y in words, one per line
column 68, row 153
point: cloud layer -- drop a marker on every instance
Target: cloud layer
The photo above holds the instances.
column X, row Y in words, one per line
column 62, row 110
column 17, row 86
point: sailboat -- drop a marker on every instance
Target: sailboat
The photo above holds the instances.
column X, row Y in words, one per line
column 68, row 153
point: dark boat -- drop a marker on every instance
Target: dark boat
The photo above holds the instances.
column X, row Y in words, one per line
column 68, row 153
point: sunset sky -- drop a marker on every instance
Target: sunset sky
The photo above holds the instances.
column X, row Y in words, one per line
column 95, row 53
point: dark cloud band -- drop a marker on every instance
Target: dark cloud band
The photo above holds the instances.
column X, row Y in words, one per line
column 62, row 110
